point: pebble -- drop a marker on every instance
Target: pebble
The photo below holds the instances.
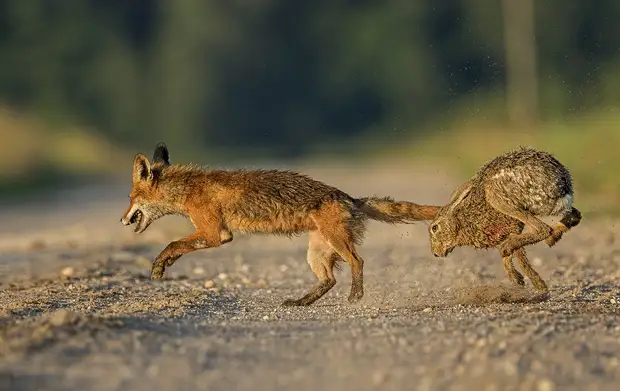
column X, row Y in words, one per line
column 545, row 385
column 67, row 272
column 379, row 378
column 222, row 276
column 612, row 301
column 209, row 284
column 143, row 261
column 427, row 309
column 122, row 256
column 198, row 270
column 61, row 317
column 38, row 244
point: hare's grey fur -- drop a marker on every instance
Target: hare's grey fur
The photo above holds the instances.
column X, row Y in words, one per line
column 506, row 195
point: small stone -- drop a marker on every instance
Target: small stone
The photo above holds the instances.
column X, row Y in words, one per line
column 198, row 270
column 222, row 276
column 122, row 256
column 612, row 301
column 427, row 309
column 72, row 244
column 38, row 244
column 245, row 281
column 143, row 261
column 545, row 385
column 266, row 317
column 537, row 261
column 67, row 272
column 261, row 283
column 209, row 284
column 62, row 317
column 379, row 378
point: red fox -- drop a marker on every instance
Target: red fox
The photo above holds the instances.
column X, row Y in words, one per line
column 281, row 202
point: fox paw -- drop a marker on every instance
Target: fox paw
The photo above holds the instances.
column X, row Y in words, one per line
column 157, row 271
column 292, row 303
column 355, row 296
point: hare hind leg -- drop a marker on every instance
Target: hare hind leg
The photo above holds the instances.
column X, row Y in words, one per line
column 538, row 229
column 569, row 220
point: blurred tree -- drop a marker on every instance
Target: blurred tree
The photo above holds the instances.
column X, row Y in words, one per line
column 521, row 73
column 282, row 76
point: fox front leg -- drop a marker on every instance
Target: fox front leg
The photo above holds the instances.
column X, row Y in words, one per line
column 178, row 248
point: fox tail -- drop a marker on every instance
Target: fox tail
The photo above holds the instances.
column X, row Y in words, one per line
column 386, row 210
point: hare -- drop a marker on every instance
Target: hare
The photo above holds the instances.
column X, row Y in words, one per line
column 506, row 195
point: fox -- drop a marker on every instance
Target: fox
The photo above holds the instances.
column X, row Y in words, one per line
column 221, row 203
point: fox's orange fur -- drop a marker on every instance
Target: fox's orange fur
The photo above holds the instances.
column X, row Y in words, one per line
column 220, row 202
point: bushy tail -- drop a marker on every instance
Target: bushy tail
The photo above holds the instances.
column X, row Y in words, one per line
column 387, row 210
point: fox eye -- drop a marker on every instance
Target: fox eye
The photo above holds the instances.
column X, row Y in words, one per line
column 434, row 228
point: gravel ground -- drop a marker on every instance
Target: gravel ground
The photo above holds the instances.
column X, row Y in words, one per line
column 78, row 310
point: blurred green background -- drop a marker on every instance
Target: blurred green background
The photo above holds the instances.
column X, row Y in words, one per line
column 84, row 84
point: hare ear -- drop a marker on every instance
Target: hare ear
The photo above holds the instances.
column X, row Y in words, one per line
column 141, row 168
column 460, row 194
column 161, row 154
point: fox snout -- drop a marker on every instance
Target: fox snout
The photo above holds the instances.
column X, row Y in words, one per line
column 135, row 215
column 129, row 216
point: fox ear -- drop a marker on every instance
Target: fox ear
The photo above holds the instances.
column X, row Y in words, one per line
column 141, row 168
column 161, row 154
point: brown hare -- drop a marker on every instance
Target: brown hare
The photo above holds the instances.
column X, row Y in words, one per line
column 506, row 195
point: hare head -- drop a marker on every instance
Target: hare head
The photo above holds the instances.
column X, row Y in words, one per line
column 444, row 229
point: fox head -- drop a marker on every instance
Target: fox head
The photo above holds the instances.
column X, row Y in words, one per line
column 147, row 200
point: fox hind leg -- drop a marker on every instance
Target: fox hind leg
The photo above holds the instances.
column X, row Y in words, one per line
column 321, row 258
column 346, row 250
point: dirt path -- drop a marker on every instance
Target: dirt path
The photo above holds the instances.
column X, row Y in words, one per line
column 78, row 310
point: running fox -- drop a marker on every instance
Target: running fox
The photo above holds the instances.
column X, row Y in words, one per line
column 220, row 202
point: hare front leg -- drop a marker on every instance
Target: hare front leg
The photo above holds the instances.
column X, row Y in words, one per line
column 513, row 274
